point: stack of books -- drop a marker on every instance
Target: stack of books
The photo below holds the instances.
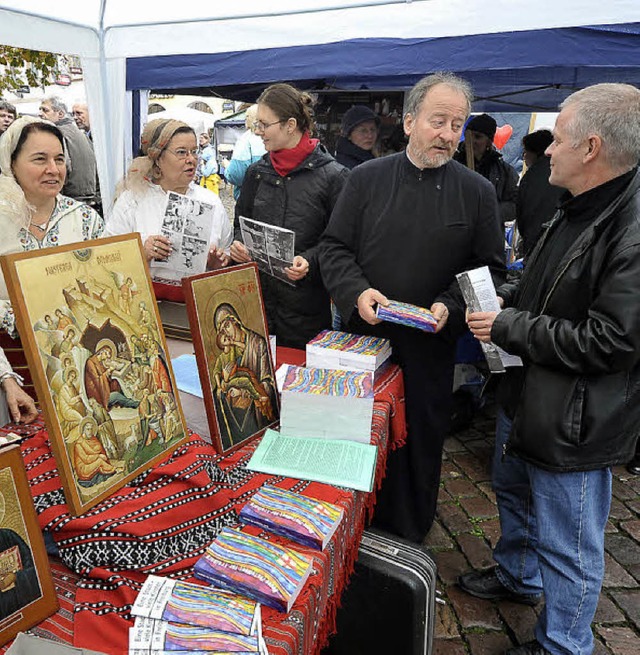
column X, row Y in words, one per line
column 305, row 520
column 178, row 616
column 347, row 352
column 327, row 404
column 254, row 567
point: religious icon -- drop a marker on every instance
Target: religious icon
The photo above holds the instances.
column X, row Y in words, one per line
column 231, row 342
column 94, row 343
column 27, row 593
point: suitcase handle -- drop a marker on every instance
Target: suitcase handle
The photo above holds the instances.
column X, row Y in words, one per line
column 378, row 546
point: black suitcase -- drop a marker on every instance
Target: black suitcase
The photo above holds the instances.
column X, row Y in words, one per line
column 389, row 604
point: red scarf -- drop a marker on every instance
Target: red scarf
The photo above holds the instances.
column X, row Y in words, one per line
column 285, row 160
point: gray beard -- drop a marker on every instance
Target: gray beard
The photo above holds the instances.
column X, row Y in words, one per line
column 434, row 162
column 424, row 161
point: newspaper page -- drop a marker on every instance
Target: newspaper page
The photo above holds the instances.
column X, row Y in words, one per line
column 270, row 246
column 480, row 296
column 187, row 223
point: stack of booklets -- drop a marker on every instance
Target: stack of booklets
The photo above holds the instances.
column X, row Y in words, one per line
column 155, row 637
column 347, row 352
column 175, row 616
column 404, row 313
column 327, row 404
column 255, row 568
column 305, row 520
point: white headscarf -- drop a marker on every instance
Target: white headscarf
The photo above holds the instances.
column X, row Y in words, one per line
column 15, row 211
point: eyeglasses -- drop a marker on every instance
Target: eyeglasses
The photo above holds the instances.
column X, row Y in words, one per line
column 259, row 126
column 183, row 153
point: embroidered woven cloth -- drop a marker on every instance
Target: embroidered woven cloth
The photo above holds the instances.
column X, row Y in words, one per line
column 163, row 521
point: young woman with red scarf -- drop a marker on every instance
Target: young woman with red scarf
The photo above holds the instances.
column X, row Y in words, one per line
column 294, row 186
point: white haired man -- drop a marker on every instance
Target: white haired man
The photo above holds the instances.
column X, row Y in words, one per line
column 573, row 411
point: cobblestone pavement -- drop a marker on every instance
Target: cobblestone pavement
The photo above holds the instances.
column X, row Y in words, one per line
column 467, row 528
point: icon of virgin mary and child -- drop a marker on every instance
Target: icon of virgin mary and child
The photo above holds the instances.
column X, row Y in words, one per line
column 242, row 378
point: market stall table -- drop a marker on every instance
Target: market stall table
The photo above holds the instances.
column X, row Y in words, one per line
column 164, row 519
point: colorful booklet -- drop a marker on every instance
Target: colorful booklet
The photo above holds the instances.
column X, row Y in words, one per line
column 194, row 604
column 256, row 568
column 152, row 636
column 348, row 352
column 304, row 520
column 404, row 313
column 327, row 404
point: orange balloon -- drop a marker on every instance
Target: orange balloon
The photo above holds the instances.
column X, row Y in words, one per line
column 503, row 134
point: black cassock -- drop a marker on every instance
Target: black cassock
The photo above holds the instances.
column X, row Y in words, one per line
column 407, row 232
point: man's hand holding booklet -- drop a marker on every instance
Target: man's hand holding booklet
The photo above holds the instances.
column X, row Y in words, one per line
column 407, row 314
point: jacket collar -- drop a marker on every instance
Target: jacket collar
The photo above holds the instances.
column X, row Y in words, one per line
column 589, row 234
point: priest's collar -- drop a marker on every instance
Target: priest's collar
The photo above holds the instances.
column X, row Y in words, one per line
column 422, row 173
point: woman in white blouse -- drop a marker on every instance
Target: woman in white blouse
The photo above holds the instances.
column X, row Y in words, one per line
column 33, row 215
column 168, row 163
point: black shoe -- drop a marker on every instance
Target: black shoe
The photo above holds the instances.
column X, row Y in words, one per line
column 530, row 648
column 485, row 584
column 634, row 466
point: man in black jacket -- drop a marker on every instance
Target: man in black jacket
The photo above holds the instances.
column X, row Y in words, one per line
column 487, row 161
column 573, row 411
column 402, row 228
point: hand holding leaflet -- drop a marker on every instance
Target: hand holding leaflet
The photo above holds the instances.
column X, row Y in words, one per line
column 480, row 296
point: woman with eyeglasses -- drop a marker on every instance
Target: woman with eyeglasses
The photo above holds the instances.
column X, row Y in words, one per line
column 294, row 186
column 33, row 214
column 168, row 163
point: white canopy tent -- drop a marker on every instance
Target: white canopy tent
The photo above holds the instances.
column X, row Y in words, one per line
column 104, row 33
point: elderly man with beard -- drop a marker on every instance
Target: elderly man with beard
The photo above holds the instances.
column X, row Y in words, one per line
column 403, row 227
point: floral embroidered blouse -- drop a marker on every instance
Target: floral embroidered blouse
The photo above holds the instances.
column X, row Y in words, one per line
column 71, row 221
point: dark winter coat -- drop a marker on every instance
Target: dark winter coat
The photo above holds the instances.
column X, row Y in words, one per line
column 536, row 203
column 503, row 177
column 580, row 405
column 350, row 155
column 301, row 201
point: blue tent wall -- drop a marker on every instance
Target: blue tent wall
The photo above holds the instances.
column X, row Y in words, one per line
column 524, row 70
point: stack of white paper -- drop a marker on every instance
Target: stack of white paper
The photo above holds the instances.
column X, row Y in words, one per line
column 347, row 352
column 327, row 404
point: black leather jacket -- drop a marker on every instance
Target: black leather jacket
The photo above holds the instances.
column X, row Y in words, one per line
column 301, row 201
column 580, row 404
